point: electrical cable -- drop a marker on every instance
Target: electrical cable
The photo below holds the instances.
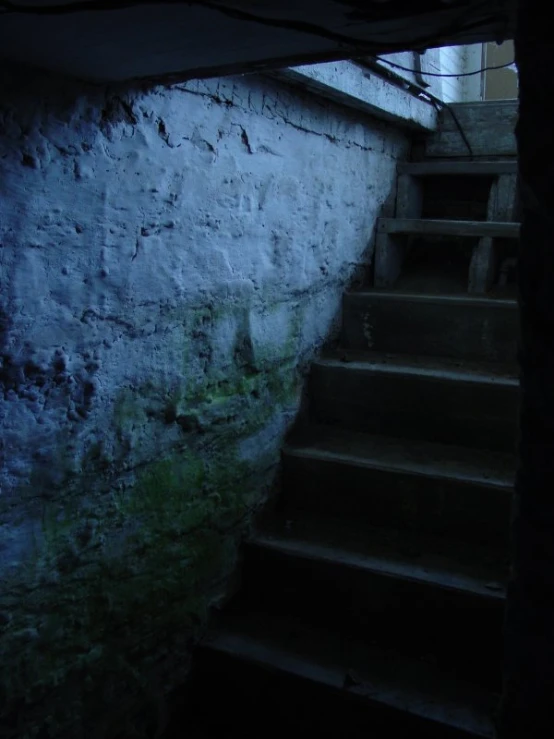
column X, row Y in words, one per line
column 440, row 74
column 459, row 126
column 421, row 92
column 438, row 104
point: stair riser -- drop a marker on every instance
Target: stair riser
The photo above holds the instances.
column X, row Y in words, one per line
column 462, row 510
column 459, row 331
column 460, row 630
column 288, row 702
column 489, row 128
column 450, row 411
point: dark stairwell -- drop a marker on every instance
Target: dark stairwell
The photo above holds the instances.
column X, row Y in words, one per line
column 372, row 594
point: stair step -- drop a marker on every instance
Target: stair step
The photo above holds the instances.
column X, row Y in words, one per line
column 452, row 167
column 460, row 327
column 427, row 561
column 432, row 488
column 489, row 128
column 398, row 590
column 440, row 401
column 306, row 678
column 431, row 227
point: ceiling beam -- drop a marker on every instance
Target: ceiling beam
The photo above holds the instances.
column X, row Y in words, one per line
column 112, row 40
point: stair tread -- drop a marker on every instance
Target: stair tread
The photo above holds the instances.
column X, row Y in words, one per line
column 437, row 367
column 379, row 676
column 446, row 227
column 452, row 167
column 443, row 400
column 403, row 555
column 464, row 299
column 421, row 457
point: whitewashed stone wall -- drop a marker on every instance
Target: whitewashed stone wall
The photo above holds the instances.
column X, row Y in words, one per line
column 171, row 259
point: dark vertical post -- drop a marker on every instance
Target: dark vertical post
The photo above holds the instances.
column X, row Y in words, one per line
column 527, row 708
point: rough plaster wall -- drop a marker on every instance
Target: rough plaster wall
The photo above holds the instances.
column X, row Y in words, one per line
column 171, row 260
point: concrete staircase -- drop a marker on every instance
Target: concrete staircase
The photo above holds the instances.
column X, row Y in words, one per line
column 371, row 601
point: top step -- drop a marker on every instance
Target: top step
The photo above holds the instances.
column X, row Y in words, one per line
column 489, row 128
column 457, row 168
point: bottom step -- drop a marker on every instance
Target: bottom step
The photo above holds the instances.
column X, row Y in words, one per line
column 299, row 677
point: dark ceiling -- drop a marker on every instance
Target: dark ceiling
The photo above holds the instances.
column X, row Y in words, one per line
column 105, row 40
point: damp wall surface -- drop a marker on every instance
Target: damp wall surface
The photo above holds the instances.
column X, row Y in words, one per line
column 172, row 258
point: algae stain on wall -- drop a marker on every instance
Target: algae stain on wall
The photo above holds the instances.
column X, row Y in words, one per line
column 161, row 311
column 123, row 572
column 115, row 583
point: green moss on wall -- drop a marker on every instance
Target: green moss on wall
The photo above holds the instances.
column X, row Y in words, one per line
column 113, row 584
column 102, row 616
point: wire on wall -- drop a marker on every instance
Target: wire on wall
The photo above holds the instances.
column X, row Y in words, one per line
column 441, row 74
